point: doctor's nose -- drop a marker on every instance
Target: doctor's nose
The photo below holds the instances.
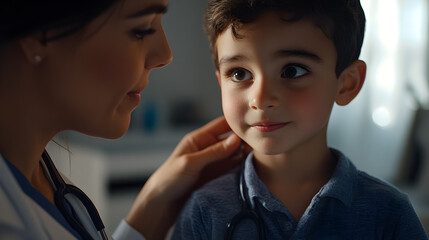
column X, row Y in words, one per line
column 263, row 97
column 160, row 53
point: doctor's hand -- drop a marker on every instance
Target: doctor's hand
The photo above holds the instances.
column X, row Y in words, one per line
column 198, row 158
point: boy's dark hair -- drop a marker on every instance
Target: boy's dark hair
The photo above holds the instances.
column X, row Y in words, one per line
column 343, row 21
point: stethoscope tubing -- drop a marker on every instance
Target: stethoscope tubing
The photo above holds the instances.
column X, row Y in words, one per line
column 62, row 189
column 247, row 211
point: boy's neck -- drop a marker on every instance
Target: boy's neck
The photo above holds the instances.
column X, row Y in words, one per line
column 295, row 177
column 298, row 166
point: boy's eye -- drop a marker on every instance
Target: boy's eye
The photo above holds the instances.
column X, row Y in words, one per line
column 139, row 33
column 239, row 75
column 293, row 71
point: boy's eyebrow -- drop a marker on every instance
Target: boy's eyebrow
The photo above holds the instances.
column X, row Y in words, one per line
column 157, row 8
column 280, row 53
column 298, row 53
column 229, row 59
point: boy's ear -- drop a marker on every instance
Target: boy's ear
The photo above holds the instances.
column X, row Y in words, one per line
column 218, row 77
column 351, row 81
column 34, row 48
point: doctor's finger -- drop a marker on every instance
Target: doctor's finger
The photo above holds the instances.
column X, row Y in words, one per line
column 209, row 133
column 216, row 152
column 215, row 127
column 203, row 137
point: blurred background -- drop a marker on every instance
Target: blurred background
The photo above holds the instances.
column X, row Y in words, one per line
column 385, row 130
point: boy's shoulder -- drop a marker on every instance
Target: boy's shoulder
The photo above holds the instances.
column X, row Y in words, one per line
column 371, row 187
column 362, row 186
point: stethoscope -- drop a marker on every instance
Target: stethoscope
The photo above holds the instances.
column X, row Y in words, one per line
column 64, row 196
column 247, row 211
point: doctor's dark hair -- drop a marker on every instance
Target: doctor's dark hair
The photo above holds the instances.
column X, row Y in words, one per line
column 23, row 18
column 342, row 21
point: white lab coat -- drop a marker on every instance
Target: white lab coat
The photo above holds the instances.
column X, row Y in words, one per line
column 22, row 218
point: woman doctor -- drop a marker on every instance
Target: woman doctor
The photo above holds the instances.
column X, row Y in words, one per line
column 81, row 65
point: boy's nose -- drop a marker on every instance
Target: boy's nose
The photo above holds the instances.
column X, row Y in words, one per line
column 263, row 96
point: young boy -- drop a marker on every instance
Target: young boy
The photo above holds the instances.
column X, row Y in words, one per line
column 281, row 65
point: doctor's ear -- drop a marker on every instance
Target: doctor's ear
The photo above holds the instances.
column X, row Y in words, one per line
column 34, row 48
column 351, row 82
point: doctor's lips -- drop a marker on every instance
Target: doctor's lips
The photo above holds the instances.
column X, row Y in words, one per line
column 269, row 126
column 135, row 95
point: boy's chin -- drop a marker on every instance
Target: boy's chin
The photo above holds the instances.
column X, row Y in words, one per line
column 268, row 151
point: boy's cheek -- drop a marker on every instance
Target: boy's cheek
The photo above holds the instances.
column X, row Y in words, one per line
column 301, row 102
column 230, row 109
column 233, row 111
column 309, row 107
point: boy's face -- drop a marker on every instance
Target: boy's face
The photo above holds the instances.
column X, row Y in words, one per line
column 278, row 83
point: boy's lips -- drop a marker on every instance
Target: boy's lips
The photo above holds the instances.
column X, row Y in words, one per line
column 269, row 126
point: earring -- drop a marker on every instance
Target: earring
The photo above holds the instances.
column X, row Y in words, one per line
column 37, row 58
